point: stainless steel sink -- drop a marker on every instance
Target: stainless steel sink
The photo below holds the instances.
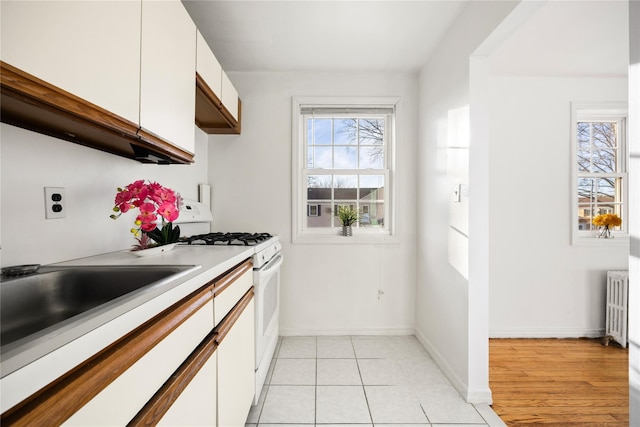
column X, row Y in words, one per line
column 41, row 305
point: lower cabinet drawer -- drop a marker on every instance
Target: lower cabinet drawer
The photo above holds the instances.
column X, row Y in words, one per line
column 121, row 400
column 228, row 291
column 196, row 405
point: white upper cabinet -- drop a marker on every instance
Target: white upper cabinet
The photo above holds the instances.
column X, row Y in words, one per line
column 208, row 66
column 168, row 68
column 217, row 103
column 88, row 48
column 229, row 96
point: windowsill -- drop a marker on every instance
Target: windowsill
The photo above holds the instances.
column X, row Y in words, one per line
column 620, row 240
column 335, row 239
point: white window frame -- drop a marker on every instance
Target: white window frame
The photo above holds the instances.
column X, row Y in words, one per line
column 601, row 111
column 302, row 234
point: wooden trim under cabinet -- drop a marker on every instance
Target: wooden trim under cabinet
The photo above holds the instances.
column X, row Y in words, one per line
column 33, row 104
column 231, row 276
column 58, row 401
column 211, row 115
column 160, row 403
column 227, row 323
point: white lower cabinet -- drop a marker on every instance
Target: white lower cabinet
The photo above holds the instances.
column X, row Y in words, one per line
column 196, row 406
column 180, row 368
column 236, row 371
column 121, row 400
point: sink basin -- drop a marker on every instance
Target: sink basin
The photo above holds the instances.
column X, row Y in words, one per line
column 37, row 305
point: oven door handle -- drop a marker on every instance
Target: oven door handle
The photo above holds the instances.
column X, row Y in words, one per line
column 272, row 265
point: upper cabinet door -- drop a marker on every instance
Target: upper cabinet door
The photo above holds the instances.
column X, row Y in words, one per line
column 168, row 67
column 208, row 66
column 88, row 48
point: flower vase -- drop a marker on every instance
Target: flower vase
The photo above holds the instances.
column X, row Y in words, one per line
column 605, row 233
column 347, row 230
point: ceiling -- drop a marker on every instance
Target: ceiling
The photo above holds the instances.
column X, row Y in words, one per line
column 340, row 36
column 568, row 38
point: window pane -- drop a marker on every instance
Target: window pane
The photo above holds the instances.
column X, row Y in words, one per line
column 598, row 196
column 585, row 217
column 370, row 185
column 371, row 131
column 606, row 189
column 372, row 214
column 318, row 187
column 346, row 157
column 371, row 200
column 584, row 135
column 345, row 187
column 344, row 131
column 371, row 157
column 322, row 158
column 323, row 215
column 604, row 134
column 597, row 147
column 322, row 131
column 586, row 188
column 584, row 160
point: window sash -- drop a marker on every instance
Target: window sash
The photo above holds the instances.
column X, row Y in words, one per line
column 598, row 113
column 338, row 107
column 333, row 201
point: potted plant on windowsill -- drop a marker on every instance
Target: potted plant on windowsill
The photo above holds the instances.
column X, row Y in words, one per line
column 347, row 216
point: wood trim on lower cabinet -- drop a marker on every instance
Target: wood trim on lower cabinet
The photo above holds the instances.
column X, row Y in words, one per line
column 33, row 104
column 230, row 319
column 231, row 276
column 58, row 401
column 160, row 403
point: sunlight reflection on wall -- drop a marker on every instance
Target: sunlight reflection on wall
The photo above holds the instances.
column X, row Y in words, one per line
column 458, row 181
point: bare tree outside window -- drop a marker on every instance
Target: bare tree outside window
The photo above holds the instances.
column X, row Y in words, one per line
column 366, row 132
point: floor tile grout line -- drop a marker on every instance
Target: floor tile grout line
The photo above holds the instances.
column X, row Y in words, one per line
column 364, row 391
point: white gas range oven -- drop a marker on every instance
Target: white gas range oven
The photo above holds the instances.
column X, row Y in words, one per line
column 195, row 222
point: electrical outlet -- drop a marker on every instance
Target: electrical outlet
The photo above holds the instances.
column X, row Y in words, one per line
column 54, row 202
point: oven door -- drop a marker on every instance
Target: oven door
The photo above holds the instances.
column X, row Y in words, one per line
column 266, row 282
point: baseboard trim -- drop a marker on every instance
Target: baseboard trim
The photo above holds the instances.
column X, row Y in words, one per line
column 294, row 332
column 476, row 396
column 546, row 333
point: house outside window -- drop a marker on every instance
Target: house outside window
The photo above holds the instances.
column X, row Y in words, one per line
column 342, row 157
column 600, row 180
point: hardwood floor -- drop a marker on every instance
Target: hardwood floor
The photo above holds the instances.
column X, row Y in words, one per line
column 559, row 382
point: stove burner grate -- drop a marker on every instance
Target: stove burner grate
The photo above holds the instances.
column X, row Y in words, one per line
column 246, row 239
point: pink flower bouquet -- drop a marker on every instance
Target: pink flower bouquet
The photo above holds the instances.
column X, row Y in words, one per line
column 154, row 202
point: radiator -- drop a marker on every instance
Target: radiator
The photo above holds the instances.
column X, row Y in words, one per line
column 617, row 306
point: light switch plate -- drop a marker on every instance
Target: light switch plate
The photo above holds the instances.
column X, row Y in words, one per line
column 455, row 195
column 54, row 202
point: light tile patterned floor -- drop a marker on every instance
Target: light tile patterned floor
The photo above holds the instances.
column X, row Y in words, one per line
column 361, row 381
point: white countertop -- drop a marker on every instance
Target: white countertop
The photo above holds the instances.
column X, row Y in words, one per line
column 105, row 328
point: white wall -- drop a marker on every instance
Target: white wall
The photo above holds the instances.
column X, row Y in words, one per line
column 542, row 285
column 450, row 317
column 31, row 161
column 562, row 52
column 326, row 289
